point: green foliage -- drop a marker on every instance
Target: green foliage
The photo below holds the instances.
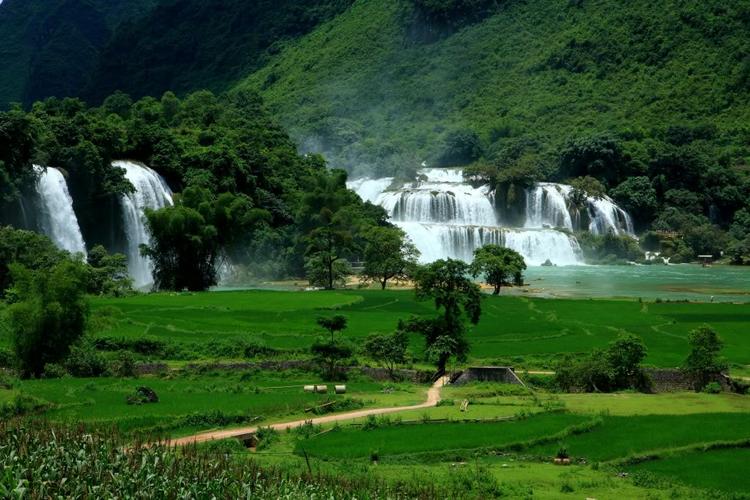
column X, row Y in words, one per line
column 330, row 354
column 142, row 395
column 388, row 254
column 50, row 314
column 704, row 360
column 109, row 273
column 455, row 296
column 26, row 248
column 500, row 266
column 22, row 404
column 387, row 349
column 609, row 248
column 618, row 367
column 188, row 239
column 461, row 147
column 333, row 324
column 85, row 361
column 637, row 196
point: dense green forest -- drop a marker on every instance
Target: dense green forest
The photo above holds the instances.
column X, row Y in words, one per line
column 91, row 48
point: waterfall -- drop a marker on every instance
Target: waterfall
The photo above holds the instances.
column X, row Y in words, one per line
column 606, row 216
column 447, row 217
column 547, row 206
column 57, row 218
column 151, row 191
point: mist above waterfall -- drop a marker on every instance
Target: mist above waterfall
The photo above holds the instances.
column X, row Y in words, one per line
column 151, row 191
column 447, row 217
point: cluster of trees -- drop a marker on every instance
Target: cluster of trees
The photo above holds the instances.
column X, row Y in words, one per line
column 619, row 366
column 246, row 194
column 45, row 289
column 457, row 301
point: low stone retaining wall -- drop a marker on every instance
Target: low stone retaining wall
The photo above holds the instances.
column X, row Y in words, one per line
column 501, row 374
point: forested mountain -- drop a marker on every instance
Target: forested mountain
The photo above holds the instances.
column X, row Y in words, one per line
column 90, row 48
column 50, row 47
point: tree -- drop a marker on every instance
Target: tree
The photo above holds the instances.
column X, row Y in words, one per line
column 457, row 299
column 387, row 349
column 329, row 353
column 328, row 245
column 501, row 266
column 638, row 197
column 333, row 324
column 189, row 238
column 50, row 313
column 624, row 357
column 31, row 250
column 388, row 255
column 704, row 360
column 108, row 273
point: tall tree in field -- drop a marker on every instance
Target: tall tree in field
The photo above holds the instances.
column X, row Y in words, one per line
column 388, row 255
column 704, row 359
column 457, row 300
column 500, row 266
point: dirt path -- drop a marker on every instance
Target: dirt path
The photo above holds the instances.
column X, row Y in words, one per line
column 433, row 397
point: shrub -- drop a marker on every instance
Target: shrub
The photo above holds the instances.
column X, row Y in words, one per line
column 712, row 388
column 124, row 365
column 142, row 395
column 6, row 358
column 266, row 436
column 85, row 361
column 54, row 370
column 22, row 404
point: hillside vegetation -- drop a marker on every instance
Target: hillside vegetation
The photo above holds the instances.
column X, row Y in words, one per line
column 384, row 79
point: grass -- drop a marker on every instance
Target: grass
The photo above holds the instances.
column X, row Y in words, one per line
column 271, row 397
column 403, row 439
column 520, row 331
column 722, row 469
column 619, row 437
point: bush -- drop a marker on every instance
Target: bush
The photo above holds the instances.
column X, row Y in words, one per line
column 266, row 436
column 22, row 404
column 712, row 388
column 6, row 358
column 54, row 370
column 85, row 361
column 124, row 365
column 142, row 395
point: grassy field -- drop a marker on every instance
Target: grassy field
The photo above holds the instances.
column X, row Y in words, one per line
column 619, row 437
column 728, row 469
column 435, row 437
column 526, row 332
column 265, row 396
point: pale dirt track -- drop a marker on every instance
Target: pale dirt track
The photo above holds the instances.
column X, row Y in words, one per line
column 433, row 397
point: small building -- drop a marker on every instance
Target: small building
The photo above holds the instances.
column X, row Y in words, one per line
column 501, row 374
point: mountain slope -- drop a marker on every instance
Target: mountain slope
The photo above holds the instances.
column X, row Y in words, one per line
column 370, row 93
column 194, row 44
column 51, row 47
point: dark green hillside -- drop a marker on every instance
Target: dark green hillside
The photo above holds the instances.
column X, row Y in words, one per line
column 386, row 80
column 50, row 47
column 194, row 44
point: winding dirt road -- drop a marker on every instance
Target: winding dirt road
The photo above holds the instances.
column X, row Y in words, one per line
column 433, row 397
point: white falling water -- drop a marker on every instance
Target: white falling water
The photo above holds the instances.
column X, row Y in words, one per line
column 547, row 206
column 57, row 219
column 446, row 217
column 151, row 191
column 607, row 216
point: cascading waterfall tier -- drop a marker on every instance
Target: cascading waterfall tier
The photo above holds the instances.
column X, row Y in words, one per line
column 447, row 217
column 151, row 191
column 57, row 218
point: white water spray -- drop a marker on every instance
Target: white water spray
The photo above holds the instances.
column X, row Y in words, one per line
column 151, row 191
column 57, row 219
